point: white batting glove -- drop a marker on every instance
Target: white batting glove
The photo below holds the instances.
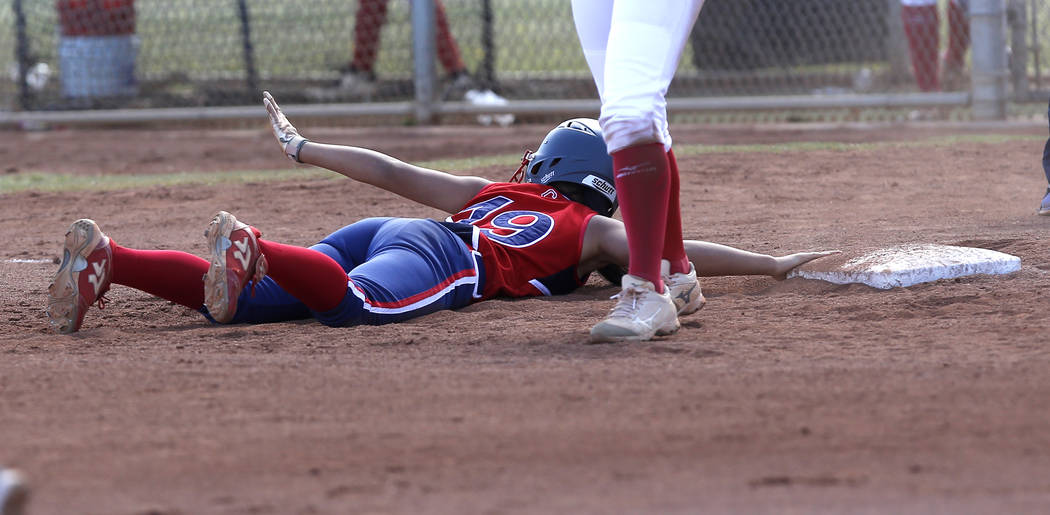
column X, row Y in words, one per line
column 287, row 136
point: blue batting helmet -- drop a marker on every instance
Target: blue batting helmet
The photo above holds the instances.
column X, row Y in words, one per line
column 573, row 157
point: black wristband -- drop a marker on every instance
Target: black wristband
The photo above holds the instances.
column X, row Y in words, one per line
column 299, row 148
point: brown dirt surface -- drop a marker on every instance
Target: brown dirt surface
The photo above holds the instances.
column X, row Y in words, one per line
column 788, row 396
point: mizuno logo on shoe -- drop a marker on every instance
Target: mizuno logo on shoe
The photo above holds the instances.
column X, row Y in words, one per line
column 685, row 295
column 99, row 277
column 243, row 253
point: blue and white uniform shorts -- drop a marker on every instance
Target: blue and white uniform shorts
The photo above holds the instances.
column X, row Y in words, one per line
column 397, row 269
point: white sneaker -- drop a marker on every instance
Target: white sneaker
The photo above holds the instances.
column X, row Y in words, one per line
column 639, row 314
column 358, row 83
column 489, row 98
column 683, row 288
column 13, row 492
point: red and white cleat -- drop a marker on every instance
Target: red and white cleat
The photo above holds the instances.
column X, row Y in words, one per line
column 83, row 277
column 235, row 261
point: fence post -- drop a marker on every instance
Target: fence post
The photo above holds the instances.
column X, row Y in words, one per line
column 22, row 54
column 423, row 35
column 896, row 44
column 251, row 73
column 1017, row 19
column 988, row 40
column 488, row 60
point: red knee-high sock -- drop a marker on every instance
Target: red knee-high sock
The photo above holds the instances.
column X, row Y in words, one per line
column 958, row 36
column 920, row 26
column 674, row 249
column 642, row 176
column 168, row 274
column 308, row 275
column 447, row 50
column 368, row 25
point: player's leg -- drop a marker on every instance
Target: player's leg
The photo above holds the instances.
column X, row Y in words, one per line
column 958, row 43
column 447, row 49
column 236, row 286
column 178, row 277
column 91, row 262
column 169, row 274
column 593, row 19
column 673, row 250
column 1044, row 206
column 368, row 26
column 408, row 268
column 921, row 27
column 680, row 274
column 642, row 48
column 645, row 43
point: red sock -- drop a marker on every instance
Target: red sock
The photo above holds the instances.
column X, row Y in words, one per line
column 368, row 25
column 308, row 275
column 920, row 26
column 168, row 274
column 447, row 50
column 958, row 36
column 674, row 249
column 642, row 176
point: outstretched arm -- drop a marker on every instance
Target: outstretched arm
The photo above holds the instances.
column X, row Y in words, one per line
column 429, row 187
column 712, row 259
column 606, row 242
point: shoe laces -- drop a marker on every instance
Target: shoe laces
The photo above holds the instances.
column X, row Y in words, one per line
column 626, row 303
column 259, row 273
column 101, row 301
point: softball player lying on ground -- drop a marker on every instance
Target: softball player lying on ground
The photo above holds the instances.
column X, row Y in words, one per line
column 503, row 239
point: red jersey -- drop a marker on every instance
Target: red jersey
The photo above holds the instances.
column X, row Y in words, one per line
column 530, row 238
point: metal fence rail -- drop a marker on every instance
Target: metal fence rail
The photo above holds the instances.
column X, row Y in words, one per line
column 114, row 60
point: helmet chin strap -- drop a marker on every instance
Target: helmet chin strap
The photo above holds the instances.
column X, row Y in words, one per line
column 519, row 175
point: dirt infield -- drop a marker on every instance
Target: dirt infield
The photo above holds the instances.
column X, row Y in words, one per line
column 780, row 397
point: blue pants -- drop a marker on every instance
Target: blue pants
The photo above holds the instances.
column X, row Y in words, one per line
column 1046, row 151
column 397, row 269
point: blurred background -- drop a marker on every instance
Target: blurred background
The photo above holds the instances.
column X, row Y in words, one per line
column 747, row 60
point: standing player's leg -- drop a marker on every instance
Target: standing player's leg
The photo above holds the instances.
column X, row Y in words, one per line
column 447, row 49
column 359, row 78
column 921, row 27
column 368, row 27
column 1044, row 206
column 633, row 61
column 680, row 275
column 958, row 41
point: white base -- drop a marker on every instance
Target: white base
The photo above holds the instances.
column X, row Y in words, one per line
column 907, row 265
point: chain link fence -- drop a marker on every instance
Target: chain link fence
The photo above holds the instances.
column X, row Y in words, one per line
column 87, row 55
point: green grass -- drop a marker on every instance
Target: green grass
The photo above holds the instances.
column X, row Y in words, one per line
column 58, row 182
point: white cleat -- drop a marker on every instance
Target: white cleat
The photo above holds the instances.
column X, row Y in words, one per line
column 683, row 288
column 14, row 492
column 639, row 314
